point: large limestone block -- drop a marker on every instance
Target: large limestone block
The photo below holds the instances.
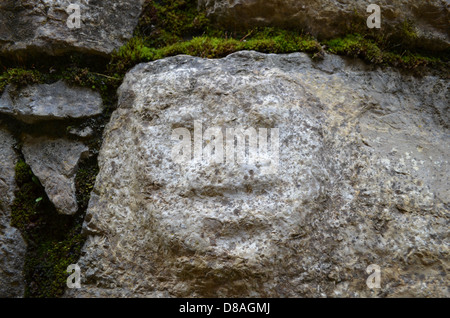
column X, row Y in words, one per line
column 362, row 178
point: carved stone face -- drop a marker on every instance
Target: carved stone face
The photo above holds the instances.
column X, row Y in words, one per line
column 224, row 209
column 344, row 195
column 230, row 209
column 202, row 217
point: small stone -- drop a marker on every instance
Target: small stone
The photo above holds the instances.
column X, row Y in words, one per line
column 81, row 132
column 55, row 163
column 50, row 102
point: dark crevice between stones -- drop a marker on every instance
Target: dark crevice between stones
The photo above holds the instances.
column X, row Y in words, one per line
column 56, row 128
column 54, row 241
column 45, row 63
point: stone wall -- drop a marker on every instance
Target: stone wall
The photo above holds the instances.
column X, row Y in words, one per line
column 356, row 171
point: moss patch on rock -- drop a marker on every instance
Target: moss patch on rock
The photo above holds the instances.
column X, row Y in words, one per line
column 356, row 45
column 172, row 27
column 84, row 182
column 266, row 40
column 19, row 77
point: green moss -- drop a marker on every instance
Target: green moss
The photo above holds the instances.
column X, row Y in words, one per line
column 129, row 55
column 23, row 173
column 356, row 45
column 172, row 27
column 167, row 22
column 277, row 41
column 25, row 209
column 407, row 32
column 19, row 77
column 46, row 266
column 54, row 240
column 105, row 84
column 84, row 182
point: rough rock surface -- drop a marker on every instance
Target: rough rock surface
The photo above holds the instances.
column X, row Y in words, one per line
column 50, row 101
column 41, row 26
column 363, row 178
column 55, row 163
column 81, row 132
column 328, row 18
column 12, row 245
